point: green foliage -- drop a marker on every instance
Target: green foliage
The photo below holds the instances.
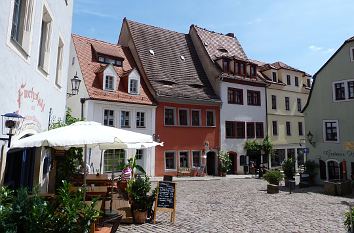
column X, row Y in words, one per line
column 347, row 222
column 253, row 146
column 71, row 213
column 67, row 166
column 273, row 177
column 69, row 119
column 133, row 165
column 24, row 212
column 288, row 167
column 311, row 168
column 267, row 146
column 224, row 161
column 138, row 190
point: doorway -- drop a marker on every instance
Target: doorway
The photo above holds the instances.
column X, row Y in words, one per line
column 211, row 162
column 233, row 158
column 19, row 170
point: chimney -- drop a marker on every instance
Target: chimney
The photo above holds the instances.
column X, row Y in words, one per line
column 231, row 34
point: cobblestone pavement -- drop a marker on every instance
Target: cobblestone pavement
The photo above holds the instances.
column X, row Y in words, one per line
column 243, row 205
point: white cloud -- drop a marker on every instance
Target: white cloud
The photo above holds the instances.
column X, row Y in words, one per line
column 255, row 21
column 315, row 48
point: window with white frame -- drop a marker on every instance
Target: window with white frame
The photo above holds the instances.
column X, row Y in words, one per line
column 140, row 119
column 170, row 160
column 330, row 131
column 196, row 118
column 108, row 117
column 21, row 23
column 170, row 116
column 59, row 63
column 139, row 154
column 183, row 117
column 113, row 160
column 197, row 158
column 125, row 119
column 109, row 83
column 343, row 90
column 44, row 48
column 210, row 118
column 184, row 159
column 134, row 86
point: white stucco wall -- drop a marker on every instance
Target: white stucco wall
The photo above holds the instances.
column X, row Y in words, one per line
column 23, row 87
column 236, row 112
column 96, row 112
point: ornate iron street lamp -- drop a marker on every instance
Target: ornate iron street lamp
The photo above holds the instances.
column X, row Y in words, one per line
column 10, row 121
column 75, row 85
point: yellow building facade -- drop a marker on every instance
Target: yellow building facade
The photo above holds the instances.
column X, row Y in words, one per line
column 287, row 92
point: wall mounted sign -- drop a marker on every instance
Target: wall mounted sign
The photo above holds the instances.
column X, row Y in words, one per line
column 166, row 199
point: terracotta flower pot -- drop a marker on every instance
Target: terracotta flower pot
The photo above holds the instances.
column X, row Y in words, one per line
column 140, row 216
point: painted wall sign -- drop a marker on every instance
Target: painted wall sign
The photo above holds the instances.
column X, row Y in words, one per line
column 29, row 94
column 331, row 153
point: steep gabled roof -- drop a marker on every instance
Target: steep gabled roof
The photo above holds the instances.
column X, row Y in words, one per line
column 170, row 63
column 219, row 45
column 91, row 69
column 314, row 78
column 281, row 65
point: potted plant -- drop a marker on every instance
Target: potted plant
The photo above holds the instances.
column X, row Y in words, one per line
column 224, row 162
column 273, row 177
column 288, row 167
column 138, row 190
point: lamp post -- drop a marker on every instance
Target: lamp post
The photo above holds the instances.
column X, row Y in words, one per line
column 10, row 121
column 75, row 85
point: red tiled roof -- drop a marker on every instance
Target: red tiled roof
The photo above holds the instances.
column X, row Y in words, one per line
column 91, row 70
column 171, row 63
column 219, row 45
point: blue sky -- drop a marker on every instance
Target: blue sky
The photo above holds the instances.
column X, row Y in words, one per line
column 301, row 33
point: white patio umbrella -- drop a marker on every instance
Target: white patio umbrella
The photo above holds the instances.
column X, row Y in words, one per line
column 88, row 134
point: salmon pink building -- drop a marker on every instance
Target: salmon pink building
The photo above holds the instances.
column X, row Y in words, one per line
column 188, row 110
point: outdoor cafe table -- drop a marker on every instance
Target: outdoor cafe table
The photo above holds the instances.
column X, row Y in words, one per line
column 101, row 180
column 93, row 191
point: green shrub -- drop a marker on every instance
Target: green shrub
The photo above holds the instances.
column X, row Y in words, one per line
column 311, row 168
column 347, row 222
column 288, row 167
column 225, row 161
column 273, row 177
column 138, row 190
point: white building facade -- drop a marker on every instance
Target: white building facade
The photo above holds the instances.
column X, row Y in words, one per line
column 112, row 94
column 34, row 42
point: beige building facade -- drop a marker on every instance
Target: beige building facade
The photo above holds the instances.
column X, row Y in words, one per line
column 287, row 92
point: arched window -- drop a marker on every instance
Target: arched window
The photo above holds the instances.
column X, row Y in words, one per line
column 113, row 160
column 333, row 170
column 323, row 170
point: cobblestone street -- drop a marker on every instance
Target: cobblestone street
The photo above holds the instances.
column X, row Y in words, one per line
column 242, row 205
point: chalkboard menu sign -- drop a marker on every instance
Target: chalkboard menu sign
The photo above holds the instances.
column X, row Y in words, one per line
column 166, row 198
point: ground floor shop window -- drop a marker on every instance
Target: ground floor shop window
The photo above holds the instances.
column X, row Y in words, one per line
column 183, row 159
column 242, row 160
column 291, row 154
column 170, row 160
column 333, row 170
column 278, row 157
column 139, row 154
column 114, row 160
column 196, row 158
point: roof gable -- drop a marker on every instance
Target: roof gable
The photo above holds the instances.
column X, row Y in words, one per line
column 92, row 71
column 169, row 56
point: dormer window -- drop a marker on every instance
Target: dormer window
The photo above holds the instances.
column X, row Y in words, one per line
column 274, row 77
column 108, row 60
column 226, row 66
column 253, row 70
column 133, row 86
column 109, row 83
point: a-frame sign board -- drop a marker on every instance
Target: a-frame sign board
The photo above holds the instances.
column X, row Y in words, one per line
column 166, row 199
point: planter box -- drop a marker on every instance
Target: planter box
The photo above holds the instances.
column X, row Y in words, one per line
column 272, row 188
column 338, row 187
